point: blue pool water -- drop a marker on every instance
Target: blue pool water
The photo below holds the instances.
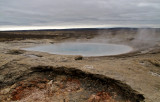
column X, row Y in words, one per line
column 84, row 49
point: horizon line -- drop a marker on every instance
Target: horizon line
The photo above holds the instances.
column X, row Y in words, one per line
column 20, row 28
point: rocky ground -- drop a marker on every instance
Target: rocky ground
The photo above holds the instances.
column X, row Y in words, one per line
column 27, row 76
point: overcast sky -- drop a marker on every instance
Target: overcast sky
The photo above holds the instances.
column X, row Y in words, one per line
column 79, row 12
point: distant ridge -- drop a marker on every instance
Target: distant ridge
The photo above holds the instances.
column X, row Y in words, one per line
column 77, row 29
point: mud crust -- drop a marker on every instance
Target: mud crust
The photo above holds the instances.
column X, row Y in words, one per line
column 99, row 83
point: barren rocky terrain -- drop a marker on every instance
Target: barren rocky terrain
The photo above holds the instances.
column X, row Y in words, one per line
column 27, row 76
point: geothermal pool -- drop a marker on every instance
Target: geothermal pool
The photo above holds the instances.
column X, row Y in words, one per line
column 84, row 49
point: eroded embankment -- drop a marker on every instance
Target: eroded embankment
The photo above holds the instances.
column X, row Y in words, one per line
column 46, row 83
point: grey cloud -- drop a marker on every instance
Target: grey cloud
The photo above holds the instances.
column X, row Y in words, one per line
column 77, row 12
